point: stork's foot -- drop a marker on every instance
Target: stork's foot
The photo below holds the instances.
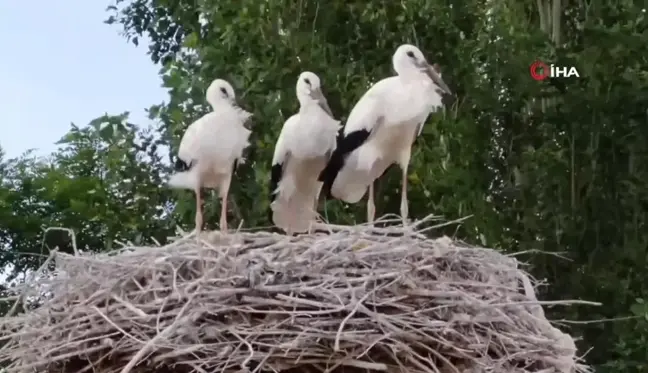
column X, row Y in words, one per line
column 311, row 227
column 317, row 220
column 405, row 214
column 223, row 226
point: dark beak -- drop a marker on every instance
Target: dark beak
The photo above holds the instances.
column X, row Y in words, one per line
column 317, row 95
column 436, row 78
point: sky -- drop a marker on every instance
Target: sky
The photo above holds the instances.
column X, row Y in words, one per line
column 62, row 64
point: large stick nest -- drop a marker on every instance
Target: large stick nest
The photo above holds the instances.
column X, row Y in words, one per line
column 352, row 300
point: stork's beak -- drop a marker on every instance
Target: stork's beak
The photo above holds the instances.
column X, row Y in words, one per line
column 317, row 95
column 436, row 78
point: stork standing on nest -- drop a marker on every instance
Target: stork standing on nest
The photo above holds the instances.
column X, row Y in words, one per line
column 212, row 147
column 305, row 144
column 381, row 129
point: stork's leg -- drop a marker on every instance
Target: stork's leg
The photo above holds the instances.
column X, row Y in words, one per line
column 371, row 207
column 224, row 192
column 404, row 208
column 314, row 216
column 316, row 202
column 199, row 212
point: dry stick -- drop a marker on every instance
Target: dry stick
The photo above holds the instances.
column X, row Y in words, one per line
column 445, row 224
column 31, row 279
column 129, row 306
column 58, row 358
column 336, row 347
column 135, row 359
column 364, row 364
column 115, row 325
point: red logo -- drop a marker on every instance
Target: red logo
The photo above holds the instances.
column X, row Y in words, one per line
column 539, row 70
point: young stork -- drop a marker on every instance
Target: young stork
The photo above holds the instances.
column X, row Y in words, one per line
column 381, row 129
column 211, row 148
column 305, row 144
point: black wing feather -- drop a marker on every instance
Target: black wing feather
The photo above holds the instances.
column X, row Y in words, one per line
column 345, row 145
column 276, row 172
column 182, row 166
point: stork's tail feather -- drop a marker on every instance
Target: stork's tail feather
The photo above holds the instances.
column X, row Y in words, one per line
column 292, row 208
column 275, row 175
column 182, row 180
column 295, row 216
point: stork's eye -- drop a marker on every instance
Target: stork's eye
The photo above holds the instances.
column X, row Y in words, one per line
column 224, row 91
column 307, row 81
column 410, row 54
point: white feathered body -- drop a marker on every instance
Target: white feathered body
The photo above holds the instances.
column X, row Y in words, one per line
column 394, row 110
column 304, row 147
column 210, row 146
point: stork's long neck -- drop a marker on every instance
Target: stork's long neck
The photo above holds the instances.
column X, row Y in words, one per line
column 215, row 104
column 406, row 70
column 412, row 74
column 303, row 98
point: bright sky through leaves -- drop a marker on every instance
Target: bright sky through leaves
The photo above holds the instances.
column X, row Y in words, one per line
column 65, row 65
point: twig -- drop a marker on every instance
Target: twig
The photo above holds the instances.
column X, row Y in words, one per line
column 377, row 298
column 30, row 280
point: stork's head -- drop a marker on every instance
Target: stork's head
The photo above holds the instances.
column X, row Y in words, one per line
column 308, row 84
column 220, row 91
column 409, row 59
column 309, row 89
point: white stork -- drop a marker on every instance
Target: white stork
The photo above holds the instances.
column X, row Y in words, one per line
column 302, row 150
column 381, row 129
column 211, row 148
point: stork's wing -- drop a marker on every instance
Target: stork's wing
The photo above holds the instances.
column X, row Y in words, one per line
column 281, row 154
column 189, row 141
column 365, row 119
column 364, row 114
column 218, row 136
column 282, row 144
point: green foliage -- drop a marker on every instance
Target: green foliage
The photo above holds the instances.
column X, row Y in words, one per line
column 557, row 166
column 104, row 182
